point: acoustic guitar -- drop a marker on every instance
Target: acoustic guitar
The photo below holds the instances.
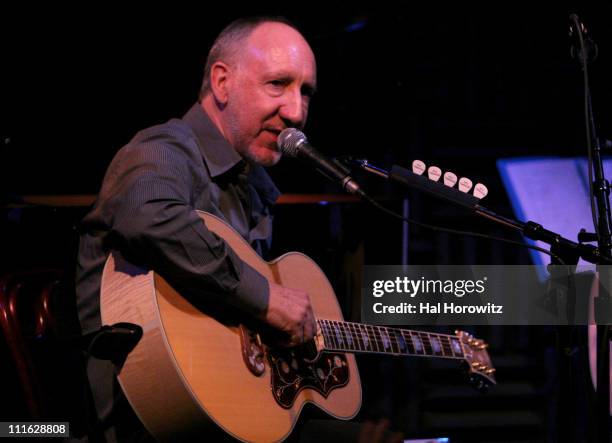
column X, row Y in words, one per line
column 194, row 367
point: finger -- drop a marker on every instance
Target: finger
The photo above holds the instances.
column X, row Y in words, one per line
column 309, row 331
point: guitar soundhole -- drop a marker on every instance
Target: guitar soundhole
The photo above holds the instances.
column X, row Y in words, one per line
column 294, row 369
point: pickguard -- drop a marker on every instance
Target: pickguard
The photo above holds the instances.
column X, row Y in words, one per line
column 291, row 373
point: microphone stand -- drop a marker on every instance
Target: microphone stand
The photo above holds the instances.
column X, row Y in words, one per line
column 600, row 188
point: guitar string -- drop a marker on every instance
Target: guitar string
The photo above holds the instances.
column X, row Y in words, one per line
column 444, row 340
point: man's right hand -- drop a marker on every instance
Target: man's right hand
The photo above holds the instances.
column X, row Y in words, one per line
column 290, row 311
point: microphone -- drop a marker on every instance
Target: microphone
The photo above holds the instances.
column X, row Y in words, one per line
column 293, row 143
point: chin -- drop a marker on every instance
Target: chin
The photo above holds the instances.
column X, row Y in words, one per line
column 264, row 156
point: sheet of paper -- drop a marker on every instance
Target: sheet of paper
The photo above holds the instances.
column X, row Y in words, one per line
column 551, row 191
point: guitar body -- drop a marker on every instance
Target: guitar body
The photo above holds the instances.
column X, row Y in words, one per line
column 188, row 369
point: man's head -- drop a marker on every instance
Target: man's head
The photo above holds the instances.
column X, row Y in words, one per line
column 258, row 80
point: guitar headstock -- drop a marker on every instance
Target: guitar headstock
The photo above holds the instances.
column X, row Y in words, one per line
column 480, row 369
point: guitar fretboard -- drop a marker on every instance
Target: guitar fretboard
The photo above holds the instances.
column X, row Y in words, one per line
column 357, row 337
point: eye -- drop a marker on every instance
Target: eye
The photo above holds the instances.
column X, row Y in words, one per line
column 276, row 86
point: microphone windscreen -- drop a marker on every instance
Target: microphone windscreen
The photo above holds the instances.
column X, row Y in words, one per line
column 289, row 140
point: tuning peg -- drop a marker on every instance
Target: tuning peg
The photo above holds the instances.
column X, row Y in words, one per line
column 490, row 371
column 465, row 184
column 418, row 167
column 480, row 191
column 434, row 173
column 450, row 179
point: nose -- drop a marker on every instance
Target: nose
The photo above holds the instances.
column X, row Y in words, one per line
column 294, row 109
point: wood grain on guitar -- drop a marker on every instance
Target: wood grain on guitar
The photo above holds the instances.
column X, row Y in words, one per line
column 191, row 370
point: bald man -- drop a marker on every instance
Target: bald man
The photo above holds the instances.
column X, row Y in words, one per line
column 259, row 78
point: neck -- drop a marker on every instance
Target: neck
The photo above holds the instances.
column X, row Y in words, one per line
column 214, row 111
column 356, row 337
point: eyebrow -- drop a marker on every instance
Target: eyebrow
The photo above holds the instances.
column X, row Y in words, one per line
column 308, row 87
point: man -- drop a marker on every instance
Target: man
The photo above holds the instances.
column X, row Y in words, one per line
column 259, row 78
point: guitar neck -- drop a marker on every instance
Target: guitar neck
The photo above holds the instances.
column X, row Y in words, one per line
column 356, row 337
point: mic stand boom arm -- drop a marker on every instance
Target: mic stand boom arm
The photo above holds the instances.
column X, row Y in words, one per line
column 560, row 245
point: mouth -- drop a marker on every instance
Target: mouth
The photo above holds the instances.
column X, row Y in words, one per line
column 274, row 131
column 272, row 136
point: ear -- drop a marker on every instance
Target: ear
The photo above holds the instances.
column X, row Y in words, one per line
column 219, row 76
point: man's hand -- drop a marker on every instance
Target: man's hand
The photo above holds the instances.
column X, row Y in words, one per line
column 289, row 310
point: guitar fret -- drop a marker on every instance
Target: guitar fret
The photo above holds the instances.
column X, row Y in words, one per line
column 456, row 346
column 370, row 338
column 377, row 339
column 426, row 343
column 373, row 338
column 360, row 336
column 338, row 333
column 380, row 341
column 356, row 335
column 390, row 336
column 409, row 344
column 348, row 339
column 393, row 340
column 436, row 346
column 384, row 340
column 330, row 333
column 446, row 346
column 345, row 341
column 353, row 329
column 418, row 343
column 323, row 326
column 347, row 336
column 389, row 340
column 399, row 338
column 365, row 338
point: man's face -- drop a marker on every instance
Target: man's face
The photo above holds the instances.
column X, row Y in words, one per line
column 269, row 90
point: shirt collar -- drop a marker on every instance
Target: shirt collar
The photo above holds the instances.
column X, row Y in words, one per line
column 221, row 157
column 218, row 154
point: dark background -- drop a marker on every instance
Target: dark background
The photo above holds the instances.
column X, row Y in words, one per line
column 454, row 85
column 444, row 83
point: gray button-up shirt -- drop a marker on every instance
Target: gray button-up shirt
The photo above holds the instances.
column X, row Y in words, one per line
column 146, row 210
